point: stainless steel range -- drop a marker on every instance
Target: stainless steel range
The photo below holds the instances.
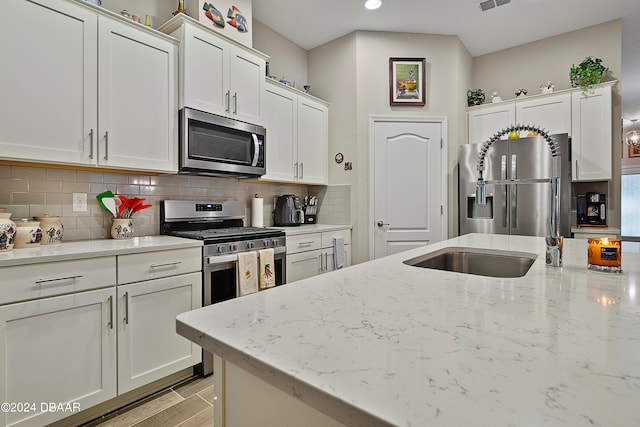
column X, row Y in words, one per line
column 220, row 225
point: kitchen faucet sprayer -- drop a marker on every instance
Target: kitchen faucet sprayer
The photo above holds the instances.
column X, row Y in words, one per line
column 553, row 239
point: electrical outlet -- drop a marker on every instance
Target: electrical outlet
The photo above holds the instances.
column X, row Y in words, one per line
column 79, row 202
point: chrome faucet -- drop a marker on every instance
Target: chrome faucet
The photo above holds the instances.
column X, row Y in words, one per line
column 553, row 239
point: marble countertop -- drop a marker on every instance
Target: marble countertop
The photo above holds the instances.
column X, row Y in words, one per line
column 312, row 228
column 384, row 343
column 93, row 249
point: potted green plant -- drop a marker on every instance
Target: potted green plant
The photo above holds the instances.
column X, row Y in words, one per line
column 588, row 73
column 475, row 97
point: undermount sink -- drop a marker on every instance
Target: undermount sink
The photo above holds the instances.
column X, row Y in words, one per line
column 481, row 262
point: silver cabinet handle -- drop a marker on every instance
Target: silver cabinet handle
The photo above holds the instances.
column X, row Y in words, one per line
column 110, row 324
column 91, row 144
column 302, row 170
column 326, row 262
column 58, row 279
column 106, row 145
column 577, row 174
column 235, row 102
column 228, row 101
column 295, row 169
column 304, row 244
column 166, row 264
column 320, row 262
column 126, row 308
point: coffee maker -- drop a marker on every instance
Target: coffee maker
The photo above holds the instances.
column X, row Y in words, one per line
column 591, row 209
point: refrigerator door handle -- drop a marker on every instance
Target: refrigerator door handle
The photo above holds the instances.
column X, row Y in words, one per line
column 503, row 167
column 514, row 192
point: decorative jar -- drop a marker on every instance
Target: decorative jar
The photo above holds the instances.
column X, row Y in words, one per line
column 52, row 229
column 28, row 234
column 7, row 231
column 122, row 228
column 604, row 255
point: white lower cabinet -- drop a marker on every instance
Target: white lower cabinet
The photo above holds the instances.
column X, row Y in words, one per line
column 310, row 254
column 148, row 346
column 71, row 333
column 57, row 350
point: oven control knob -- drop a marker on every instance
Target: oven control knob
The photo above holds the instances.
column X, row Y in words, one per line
column 275, row 242
column 233, row 247
column 250, row 245
column 220, row 249
column 266, row 243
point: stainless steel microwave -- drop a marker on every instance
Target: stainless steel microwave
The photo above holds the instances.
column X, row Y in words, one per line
column 219, row 146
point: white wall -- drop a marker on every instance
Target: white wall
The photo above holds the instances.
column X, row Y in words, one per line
column 287, row 59
column 352, row 73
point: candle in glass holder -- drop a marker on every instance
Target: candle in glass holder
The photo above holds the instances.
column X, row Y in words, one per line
column 604, row 255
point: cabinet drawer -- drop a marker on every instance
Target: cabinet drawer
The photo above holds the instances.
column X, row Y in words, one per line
column 303, row 242
column 327, row 237
column 153, row 265
column 24, row 282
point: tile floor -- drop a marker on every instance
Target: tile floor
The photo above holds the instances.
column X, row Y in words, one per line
column 189, row 404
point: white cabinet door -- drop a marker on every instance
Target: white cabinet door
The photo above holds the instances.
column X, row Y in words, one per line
column 59, row 349
column 591, row 141
column 281, row 120
column 205, row 70
column 148, row 346
column 486, row 121
column 313, row 142
column 220, row 77
column 303, row 265
column 48, row 87
column 552, row 112
column 137, row 99
column 246, row 85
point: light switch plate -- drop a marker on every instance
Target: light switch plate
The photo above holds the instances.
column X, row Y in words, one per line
column 79, row 202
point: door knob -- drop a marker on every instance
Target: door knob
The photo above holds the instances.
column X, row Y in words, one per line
column 381, row 223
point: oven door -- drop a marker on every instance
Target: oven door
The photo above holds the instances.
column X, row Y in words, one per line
column 220, row 282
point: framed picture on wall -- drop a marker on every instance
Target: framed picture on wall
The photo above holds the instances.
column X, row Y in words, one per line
column 407, row 81
column 634, row 151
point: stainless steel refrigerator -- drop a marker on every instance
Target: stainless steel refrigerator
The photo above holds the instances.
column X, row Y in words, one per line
column 521, row 208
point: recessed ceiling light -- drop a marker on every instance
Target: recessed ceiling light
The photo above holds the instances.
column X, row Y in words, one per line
column 373, row 4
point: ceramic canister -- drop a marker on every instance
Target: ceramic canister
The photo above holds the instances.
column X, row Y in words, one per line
column 28, row 234
column 122, row 228
column 7, row 231
column 52, row 229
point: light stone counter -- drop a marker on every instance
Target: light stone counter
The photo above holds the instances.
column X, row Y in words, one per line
column 93, row 249
column 383, row 343
column 312, row 228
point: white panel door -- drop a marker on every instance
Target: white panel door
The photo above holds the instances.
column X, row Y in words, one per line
column 313, row 142
column 485, row 121
column 206, row 71
column 591, row 144
column 148, row 346
column 408, row 176
column 48, row 85
column 138, row 99
column 246, row 85
column 280, row 112
column 59, row 349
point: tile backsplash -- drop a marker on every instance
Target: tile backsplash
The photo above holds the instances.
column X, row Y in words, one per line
column 27, row 191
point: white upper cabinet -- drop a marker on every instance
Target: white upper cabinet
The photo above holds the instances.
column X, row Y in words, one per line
column 217, row 76
column 85, row 88
column 48, row 106
column 137, row 94
column 551, row 112
column 297, row 136
column 591, row 143
column 486, row 121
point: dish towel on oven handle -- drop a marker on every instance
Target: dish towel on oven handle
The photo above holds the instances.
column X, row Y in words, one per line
column 266, row 272
column 247, row 273
column 338, row 252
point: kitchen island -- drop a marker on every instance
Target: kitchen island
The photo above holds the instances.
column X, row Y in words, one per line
column 385, row 343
